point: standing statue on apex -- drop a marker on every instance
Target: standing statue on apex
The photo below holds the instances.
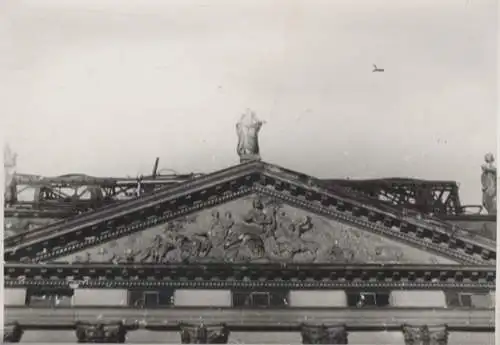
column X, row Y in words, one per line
column 489, row 182
column 248, row 136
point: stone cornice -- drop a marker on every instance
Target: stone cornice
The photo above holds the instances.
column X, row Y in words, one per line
column 355, row 204
column 354, row 319
column 115, row 221
column 302, row 276
column 471, row 217
column 109, row 212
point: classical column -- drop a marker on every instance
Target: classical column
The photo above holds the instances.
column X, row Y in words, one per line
column 101, row 332
column 12, row 333
column 204, row 334
column 425, row 335
column 321, row 334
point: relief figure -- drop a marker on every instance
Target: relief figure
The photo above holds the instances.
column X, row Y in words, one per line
column 219, row 232
column 245, row 241
column 156, row 251
column 288, row 243
column 257, row 221
column 266, row 231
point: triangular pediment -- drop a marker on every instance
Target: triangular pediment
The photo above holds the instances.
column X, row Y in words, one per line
column 341, row 226
column 256, row 228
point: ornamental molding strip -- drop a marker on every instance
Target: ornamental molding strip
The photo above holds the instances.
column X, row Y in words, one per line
column 115, row 221
column 253, row 320
column 288, row 276
column 218, row 333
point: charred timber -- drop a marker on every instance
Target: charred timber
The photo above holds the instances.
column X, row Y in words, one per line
column 114, row 221
column 77, row 180
column 428, row 197
column 393, row 191
column 65, row 192
column 313, row 276
column 36, row 213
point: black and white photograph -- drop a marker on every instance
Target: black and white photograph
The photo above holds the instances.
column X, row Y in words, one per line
column 249, row 171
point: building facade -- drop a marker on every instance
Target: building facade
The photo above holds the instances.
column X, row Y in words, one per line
column 254, row 253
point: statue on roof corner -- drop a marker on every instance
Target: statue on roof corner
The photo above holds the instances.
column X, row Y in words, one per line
column 9, row 165
column 489, row 182
column 248, row 136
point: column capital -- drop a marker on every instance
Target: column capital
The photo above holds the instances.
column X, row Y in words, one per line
column 322, row 334
column 204, row 334
column 101, row 332
column 12, row 332
column 428, row 335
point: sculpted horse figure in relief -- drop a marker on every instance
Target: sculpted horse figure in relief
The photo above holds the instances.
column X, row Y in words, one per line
column 245, row 239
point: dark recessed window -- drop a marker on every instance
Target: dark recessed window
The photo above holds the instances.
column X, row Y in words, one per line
column 260, row 299
column 361, row 299
column 49, row 297
column 476, row 299
column 465, row 299
column 151, row 298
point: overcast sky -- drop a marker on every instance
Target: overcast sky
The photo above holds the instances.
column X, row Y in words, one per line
column 104, row 87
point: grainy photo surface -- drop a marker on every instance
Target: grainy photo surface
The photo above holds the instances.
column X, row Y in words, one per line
column 249, row 172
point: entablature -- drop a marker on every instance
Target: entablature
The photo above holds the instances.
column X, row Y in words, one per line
column 213, row 275
column 256, row 320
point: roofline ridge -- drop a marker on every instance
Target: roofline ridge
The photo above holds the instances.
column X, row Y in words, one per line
column 388, row 210
column 94, row 215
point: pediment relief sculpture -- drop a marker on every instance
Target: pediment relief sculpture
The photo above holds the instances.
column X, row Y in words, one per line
column 204, row 334
column 425, row 335
column 256, row 229
column 323, row 334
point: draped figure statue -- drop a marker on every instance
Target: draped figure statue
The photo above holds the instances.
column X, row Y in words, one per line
column 248, row 136
column 489, row 183
column 9, row 164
